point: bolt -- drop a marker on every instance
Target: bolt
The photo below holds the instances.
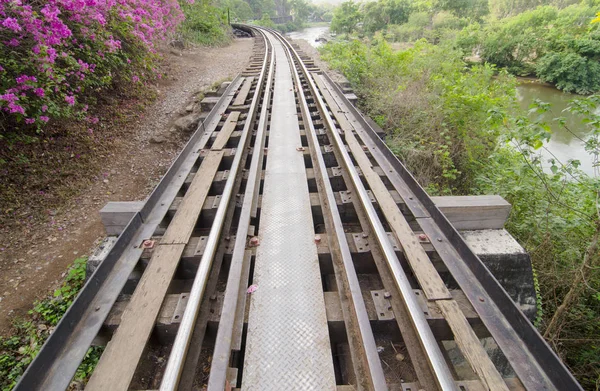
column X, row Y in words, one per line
column 387, row 295
column 422, row 237
column 317, row 238
column 439, row 239
column 365, row 235
column 227, row 238
column 481, row 299
column 254, row 242
column 213, row 297
column 97, row 308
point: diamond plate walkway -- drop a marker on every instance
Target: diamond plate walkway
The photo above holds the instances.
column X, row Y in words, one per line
column 288, row 341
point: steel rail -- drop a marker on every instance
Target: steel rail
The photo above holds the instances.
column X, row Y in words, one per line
column 533, row 360
column 180, row 347
column 60, row 356
column 438, row 365
column 375, row 376
column 222, row 351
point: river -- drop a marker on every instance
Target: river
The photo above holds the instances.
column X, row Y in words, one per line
column 563, row 144
column 310, row 34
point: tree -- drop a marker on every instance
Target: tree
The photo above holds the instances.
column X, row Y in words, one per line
column 378, row 15
column 475, row 9
column 346, row 17
column 301, row 10
column 261, row 7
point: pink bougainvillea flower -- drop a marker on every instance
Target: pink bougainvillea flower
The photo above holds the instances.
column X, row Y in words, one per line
column 11, row 24
column 24, row 79
column 43, row 118
column 44, row 108
column 70, row 99
column 39, row 92
column 9, row 97
column 14, row 108
column 30, row 121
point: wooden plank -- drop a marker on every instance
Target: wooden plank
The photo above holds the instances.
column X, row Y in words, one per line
column 118, row 362
column 470, row 346
column 430, row 281
column 180, row 229
column 432, row 284
column 422, row 267
column 243, row 94
column 226, row 130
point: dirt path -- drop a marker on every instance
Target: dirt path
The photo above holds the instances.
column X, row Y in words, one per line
column 34, row 259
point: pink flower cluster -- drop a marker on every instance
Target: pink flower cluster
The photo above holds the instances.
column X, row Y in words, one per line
column 52, row 48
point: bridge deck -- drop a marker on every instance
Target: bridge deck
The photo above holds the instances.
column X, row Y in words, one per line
column 288, row 344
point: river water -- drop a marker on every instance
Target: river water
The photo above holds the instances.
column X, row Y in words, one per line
column 310, row 34
column 563, row 144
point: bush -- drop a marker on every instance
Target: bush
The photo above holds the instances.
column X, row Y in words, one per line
column 557, row 45
column 433, row 106
column 570, row 72
column 451, row 125
column 57, row 56
column 205, row 23
column 412, row 30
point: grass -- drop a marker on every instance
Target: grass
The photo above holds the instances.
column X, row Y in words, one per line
column 18, row 350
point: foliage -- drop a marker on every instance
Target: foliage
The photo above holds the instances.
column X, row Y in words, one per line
column 57, row 55
column 415, row 28
column 453, row 127
column 434, row 107
column 204, row 23
column 558, row 46
column 570, row 72
column 377, row 15
column 265, row 21
column 17, row 351
column 555, row 215
column 239, row 10
column 261, row 7
column 346, row 18
column 475, row 9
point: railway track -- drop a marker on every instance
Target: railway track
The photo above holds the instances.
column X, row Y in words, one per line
column 287, row 248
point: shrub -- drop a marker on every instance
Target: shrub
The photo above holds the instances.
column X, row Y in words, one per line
column 557, row 45
column 205, row 23
column 451, row 125
column 57, row 55
column 433, row 106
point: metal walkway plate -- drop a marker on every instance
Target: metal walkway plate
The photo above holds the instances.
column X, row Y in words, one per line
column 288, row 344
